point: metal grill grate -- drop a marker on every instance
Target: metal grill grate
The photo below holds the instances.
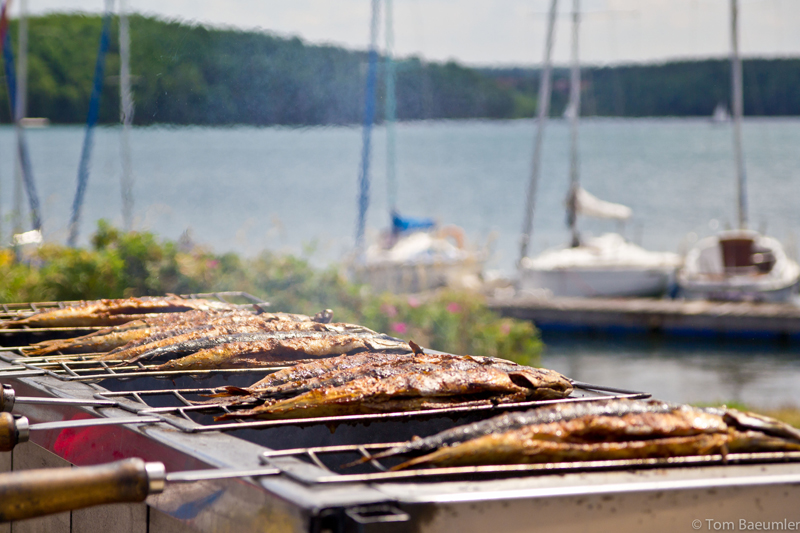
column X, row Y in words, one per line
column 184, row 404
column 87, row 369
column 335, row 465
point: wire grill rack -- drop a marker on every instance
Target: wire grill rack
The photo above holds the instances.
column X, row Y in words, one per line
column 86, row 368
column 194, row 417
column 335, row 465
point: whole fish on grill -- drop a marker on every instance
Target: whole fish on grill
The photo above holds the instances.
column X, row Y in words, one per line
column 396, row 383
column 158, row 327
column 111, row 312
column 147, row 329
column 335, row 372
column 269, row 339
column 617, row 429
column 254, row 353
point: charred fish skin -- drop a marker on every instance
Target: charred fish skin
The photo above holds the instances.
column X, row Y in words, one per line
column 416, row 381
column 514, row 448
column 109, row 312
column 515, row 420
column 318, row 349
column 382, row 368
column 220, row 331
column 519, row 447
column 605, row 430
column 336, row 372
column 253, row 353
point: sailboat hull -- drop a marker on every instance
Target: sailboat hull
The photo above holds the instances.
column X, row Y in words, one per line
column 722, row 268
column 605, row 266
column 587, row 283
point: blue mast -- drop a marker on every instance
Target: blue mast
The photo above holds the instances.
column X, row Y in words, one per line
column 22, row 146
column 91, row 121
column 391, row 113
column 369, row 118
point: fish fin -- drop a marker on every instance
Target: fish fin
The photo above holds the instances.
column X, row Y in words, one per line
column 237, row 391
column 415, row 347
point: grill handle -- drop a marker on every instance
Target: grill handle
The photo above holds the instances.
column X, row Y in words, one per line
column 33, row 493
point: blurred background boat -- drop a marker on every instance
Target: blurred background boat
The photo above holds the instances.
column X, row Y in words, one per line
column 602, row 266
column 740, row 264
column 415, row 254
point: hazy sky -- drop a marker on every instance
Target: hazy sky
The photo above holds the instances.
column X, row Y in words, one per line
column 501, row 31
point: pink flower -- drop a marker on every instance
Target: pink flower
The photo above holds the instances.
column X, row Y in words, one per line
column 505, row 328
column 389, row 310
column 399, row 327
column 453, row 307
column 212, row 263
column 413, row 301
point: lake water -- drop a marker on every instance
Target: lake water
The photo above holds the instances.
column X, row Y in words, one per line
column 245, row 189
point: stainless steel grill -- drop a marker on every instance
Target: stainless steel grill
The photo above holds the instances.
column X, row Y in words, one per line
column 313, row 491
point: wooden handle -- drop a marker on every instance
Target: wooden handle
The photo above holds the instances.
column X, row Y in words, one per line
column 32, row 493
column 8, row 432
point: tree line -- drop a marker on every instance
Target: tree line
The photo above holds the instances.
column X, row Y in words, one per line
column 191, row 74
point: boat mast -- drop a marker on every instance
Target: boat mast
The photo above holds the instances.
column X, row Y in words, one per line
column 543, row 111
column 17, row 89
column 369, row 117
column 126, row 116
column 575, row 111
column 19, row 113
column 391, row 112
column 738, row 111
column 91, row 121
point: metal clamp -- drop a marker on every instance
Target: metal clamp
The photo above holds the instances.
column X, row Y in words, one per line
column 376, row 514
column 23, row 427
column 156, row 477
column 6, row 398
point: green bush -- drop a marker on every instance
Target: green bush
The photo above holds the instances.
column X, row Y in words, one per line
column 138, row 264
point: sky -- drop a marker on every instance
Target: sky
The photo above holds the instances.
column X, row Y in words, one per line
column 499, row 32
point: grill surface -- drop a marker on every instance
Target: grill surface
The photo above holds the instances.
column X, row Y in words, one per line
column 316, row 493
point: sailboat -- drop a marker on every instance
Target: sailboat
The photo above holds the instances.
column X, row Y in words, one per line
column 604, row 266
column 738, row 264
column 415, row 254
column 720, row 115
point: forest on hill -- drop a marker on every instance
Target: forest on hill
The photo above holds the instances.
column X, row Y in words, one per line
column 191, row 74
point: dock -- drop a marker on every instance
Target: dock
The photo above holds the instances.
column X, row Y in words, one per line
column 650, row 315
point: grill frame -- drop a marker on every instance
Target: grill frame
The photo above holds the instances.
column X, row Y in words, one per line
column 375, row 506
column 305, row 497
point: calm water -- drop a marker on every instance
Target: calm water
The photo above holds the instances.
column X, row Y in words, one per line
column 756, row 374
column 246, row 189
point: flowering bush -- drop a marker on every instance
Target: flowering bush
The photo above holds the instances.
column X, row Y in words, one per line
column 454, row 322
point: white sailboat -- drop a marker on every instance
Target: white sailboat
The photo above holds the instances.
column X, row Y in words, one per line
column 603, row 266
column 720, row 115
column 739, row 264
column 415, row 254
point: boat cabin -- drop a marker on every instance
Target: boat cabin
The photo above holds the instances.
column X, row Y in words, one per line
column 736, row 255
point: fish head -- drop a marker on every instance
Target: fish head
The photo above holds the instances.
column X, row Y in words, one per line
column 541, row 383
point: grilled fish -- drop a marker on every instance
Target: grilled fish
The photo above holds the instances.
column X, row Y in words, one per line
column 620, row 429
column 111, row 312
column 254, row 353
column 335, row 372
column 517, row 447
column 249, row 332
column 402, row 383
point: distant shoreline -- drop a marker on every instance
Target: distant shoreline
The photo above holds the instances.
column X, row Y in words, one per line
column 187, row 74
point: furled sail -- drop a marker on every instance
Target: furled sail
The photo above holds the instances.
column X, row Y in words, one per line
column 589, row 205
